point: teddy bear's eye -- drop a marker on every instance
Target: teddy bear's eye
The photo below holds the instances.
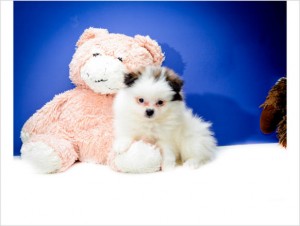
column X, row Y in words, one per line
column 96, row 54
column 120, row 59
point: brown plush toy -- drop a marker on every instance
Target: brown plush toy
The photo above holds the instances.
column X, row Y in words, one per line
column 273, row 116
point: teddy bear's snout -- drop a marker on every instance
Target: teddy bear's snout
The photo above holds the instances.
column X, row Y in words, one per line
column 97, row 74
column 96, row 77
column 99, row 69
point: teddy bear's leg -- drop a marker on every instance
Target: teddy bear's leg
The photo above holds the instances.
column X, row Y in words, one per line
column 49, row 154
column 139, row 158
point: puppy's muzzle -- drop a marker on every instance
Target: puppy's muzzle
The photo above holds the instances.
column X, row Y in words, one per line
column 149, row 113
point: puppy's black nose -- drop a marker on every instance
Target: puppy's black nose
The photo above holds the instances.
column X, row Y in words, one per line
column 149, row 112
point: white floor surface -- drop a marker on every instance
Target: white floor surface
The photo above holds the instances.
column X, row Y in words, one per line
column 245, row 185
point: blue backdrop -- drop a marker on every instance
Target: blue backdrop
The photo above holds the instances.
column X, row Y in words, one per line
column 229, row 54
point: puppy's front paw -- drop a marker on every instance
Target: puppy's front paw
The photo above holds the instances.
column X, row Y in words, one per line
column 168, row 165
column 121, row 145
column 195, row 163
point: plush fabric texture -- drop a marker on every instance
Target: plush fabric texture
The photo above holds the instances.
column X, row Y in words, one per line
column 136, row 52
column 273, row 116
column 79, row 116
column 77, row 124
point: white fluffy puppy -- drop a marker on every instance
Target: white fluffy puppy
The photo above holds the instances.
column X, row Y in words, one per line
column 151, row 108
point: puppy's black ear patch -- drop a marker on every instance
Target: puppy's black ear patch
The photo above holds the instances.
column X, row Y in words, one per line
column 177, row 96
column 175, row 83
column 131, row 77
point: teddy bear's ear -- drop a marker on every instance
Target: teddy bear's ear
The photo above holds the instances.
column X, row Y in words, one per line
column 153, row 48
column 91, row 33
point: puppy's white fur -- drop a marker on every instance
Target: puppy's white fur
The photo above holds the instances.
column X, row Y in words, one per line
column 172, row 127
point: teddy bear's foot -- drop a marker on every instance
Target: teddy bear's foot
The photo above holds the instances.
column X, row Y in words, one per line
column 140, row 158
column 48, row 153
column 42, row 157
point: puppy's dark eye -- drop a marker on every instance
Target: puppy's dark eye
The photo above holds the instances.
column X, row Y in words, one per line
column 96, row 54
column 141, row 100
column 120, row 59
column 160, row 103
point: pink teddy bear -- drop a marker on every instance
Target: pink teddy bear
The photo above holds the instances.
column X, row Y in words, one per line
column 78, row 124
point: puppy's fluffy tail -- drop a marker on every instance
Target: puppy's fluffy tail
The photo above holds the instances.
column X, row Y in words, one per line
column 198, row 144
